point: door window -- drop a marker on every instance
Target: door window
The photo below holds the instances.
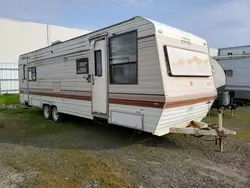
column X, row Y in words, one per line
column 32, row 73
column 98, row 63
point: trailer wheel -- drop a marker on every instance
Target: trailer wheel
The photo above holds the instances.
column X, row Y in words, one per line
column 47, row 112
column 56, row 116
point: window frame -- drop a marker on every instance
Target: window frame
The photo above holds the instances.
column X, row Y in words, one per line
column 226, row 73
column 78, row 61
column 136, row 62
column 30, row 69
column 95, row 52
column 169, row 67
column 24, row 71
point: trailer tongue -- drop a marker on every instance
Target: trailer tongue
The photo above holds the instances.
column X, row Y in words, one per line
column 203, row 129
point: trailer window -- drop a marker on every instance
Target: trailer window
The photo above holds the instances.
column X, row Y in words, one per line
column 123, row 58
column 32, row 73
column 228, row 73
column 187, row 63
column 98, row 63
column 82, row 66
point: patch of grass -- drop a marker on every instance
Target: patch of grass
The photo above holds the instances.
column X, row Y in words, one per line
column 243, row 115
column 238, row 122
column 9, row 99
column 33, row 122
column 16, row 111
column 36, row 125
column 67, row 167
column 243, row 135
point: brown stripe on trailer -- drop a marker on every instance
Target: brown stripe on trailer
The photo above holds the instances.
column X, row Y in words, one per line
column 148, row 104
column 150, row 100
column 112, row 95
column 186, row 102
column 131, row 102
column 63, row 95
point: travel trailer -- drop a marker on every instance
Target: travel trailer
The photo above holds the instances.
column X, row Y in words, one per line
column 139, row 73
column 236, row 63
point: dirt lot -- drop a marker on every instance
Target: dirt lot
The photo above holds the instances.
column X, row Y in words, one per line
column 79, row 153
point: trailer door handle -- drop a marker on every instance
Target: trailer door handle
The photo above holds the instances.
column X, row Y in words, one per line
column 88, row 78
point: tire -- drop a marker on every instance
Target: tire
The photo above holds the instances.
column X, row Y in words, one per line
column 47, row 111
column 56, row 116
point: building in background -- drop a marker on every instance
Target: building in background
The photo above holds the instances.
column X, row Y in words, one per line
column 17, row 37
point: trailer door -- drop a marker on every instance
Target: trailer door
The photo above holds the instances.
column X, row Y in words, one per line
column 100, row 78
column 23, row 80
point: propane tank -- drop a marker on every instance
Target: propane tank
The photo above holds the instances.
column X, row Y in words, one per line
column 223, row 99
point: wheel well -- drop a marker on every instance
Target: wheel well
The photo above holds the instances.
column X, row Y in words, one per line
column 44, row 104
column 53, row 106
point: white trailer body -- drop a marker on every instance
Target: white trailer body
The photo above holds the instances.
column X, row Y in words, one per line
column 139, row 74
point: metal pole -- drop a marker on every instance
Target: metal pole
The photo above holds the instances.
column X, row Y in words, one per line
column 220, row 113
column 220, row 119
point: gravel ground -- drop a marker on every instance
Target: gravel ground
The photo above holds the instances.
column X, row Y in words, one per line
column 11, row 177
column 146, row 161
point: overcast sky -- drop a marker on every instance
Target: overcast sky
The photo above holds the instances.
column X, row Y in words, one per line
column 222, row 23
